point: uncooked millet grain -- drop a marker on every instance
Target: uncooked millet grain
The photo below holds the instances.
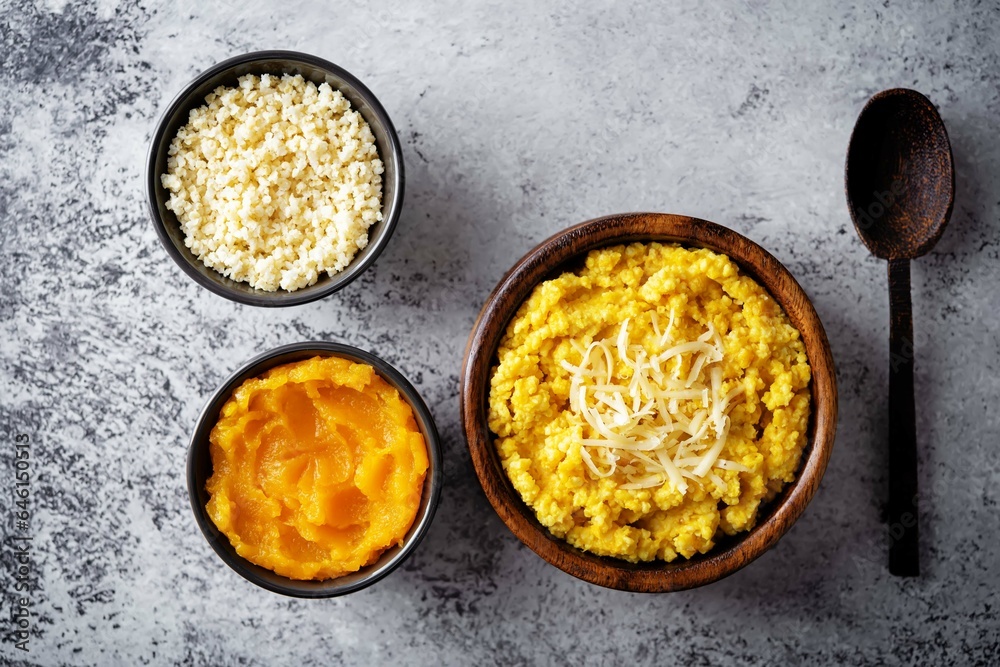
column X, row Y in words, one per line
column 275, row 182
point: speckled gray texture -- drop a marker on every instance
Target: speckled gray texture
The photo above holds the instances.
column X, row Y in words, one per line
column 518, row 119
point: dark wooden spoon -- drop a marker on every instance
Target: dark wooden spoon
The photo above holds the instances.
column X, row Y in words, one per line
column 900, row 188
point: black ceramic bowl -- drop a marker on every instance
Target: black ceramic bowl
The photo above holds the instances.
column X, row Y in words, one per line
column 226, row 74
column 199, row 469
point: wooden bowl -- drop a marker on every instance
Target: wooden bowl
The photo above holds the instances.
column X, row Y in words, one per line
column 548, row 260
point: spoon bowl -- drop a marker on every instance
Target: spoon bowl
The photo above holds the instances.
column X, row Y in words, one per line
column 900, row 175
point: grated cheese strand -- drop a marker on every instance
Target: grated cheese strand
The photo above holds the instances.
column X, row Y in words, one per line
column 656, row 427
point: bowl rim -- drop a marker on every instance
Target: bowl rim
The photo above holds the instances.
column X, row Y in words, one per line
column 307, row 588
column 280, row 298
column 480, row 353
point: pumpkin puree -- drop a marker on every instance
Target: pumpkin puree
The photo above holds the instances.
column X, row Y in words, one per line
column 318, row 468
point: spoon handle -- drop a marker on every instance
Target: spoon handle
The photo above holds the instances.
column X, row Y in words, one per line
column 904, row 557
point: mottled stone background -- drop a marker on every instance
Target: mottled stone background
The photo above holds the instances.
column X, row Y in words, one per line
column 517, row 119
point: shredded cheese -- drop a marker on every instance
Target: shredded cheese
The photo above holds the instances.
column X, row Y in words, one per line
column 652, row 426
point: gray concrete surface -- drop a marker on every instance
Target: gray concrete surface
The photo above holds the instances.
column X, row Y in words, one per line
column 517, row 119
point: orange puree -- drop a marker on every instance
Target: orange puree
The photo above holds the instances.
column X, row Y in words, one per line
column 318, row 468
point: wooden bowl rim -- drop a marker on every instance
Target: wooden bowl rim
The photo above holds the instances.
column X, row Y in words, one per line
column 728, row 555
